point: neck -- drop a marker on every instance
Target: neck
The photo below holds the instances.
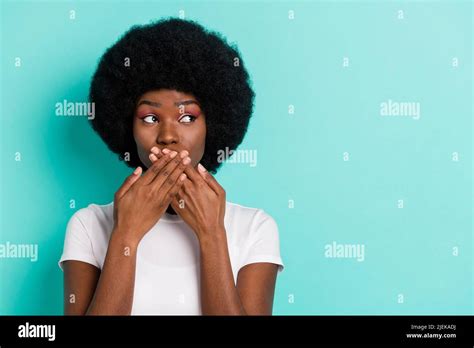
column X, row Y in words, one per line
column 170, row 210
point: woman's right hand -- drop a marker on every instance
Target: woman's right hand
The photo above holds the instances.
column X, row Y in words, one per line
column 141, row 200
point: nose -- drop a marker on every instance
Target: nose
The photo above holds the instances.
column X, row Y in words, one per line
column 167, row 134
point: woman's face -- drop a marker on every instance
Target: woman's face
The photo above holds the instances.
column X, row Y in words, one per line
column 169, row 119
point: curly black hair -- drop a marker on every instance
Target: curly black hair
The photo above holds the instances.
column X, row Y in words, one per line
column 174, row 54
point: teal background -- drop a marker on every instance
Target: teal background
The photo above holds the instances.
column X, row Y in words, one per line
column 296, row 62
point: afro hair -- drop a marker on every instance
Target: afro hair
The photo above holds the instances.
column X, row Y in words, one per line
column 179, row 55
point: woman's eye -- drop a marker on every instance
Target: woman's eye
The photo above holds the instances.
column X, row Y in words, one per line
column 188, row 118
column 149, row 119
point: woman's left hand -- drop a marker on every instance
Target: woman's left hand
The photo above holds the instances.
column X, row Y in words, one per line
column 201, row 202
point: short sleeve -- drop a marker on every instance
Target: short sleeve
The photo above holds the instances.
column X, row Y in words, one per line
column 264, row 242
column 77, row 243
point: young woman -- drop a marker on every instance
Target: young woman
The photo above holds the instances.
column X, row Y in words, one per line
column 168, row 97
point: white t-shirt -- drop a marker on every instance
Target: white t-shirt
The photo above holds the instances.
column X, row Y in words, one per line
column 167, row 276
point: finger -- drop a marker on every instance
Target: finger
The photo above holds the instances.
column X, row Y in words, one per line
column 156, row 154
column 155, row 168
column 187, row 187
column 175, row 202
column 170, row 173
column 193, row 174
column 209, row 179
column 156, row 151
column 167, row 169
column 175, row 205
column 174, row 189
column 128, row 182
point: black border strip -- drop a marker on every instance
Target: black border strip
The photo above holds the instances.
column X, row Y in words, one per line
column 140, row 330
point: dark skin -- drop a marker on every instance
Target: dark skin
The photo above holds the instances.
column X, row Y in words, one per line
column 168, row 121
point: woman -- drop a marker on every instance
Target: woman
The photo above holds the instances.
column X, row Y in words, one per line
column 168, row 97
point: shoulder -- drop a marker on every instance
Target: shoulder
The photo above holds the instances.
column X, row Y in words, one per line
column 238, row 213
column 254, row 233
column 94, row 217
column 87, row 234
column 243, row 222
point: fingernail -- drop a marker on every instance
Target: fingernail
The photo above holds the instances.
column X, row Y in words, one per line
column 165, row 151
column 182, row 176
column 137, row 170
column 155, row 150
column 184, row 153
column 201, row 168
column 187, row 160
column 173, row 154
column 152, row 157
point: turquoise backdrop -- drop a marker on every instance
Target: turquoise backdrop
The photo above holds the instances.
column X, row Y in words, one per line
column 332, row 168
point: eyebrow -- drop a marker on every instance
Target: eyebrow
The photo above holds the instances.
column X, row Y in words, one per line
column 155, row 104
